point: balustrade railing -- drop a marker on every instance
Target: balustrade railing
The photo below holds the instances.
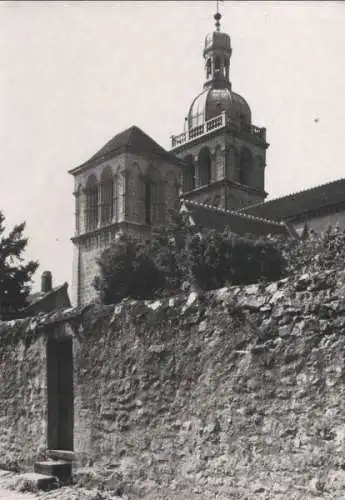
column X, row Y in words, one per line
column 257, row 131
column 217, row 122
column 214, row 124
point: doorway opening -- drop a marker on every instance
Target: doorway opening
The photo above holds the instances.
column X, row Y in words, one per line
column 60, row 393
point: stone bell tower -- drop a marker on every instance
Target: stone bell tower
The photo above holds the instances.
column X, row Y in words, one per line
column 129, row 186
column 224, row 153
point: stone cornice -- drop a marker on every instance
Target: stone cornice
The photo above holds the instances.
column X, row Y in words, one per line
column 113, row 227
column 226, row 182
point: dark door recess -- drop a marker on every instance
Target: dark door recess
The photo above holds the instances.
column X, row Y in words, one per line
column 60, row 394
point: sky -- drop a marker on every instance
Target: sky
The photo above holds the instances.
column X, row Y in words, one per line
column 74, row 74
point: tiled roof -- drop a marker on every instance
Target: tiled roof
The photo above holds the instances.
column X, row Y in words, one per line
column 36, row 297
column 302, row 202
column 215, row 218
column 42, row 302
column 133, row 140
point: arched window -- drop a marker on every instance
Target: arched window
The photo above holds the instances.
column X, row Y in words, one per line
column 226, row 68
column 91, row 208
column 148, row 202
column 134, row 197
column 204, row 165
column 208, row 68
column 259, row 172
column 245, row 167
column 188, row 176
column 154, row 197
column 107, row 196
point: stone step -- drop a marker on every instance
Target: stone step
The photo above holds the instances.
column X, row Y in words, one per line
column 67, row 455
column 61, row 469
column 35, row 481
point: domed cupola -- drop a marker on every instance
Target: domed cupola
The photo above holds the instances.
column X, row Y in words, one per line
column 217, row 95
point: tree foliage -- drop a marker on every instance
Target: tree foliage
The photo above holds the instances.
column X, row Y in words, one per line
column 179, row 255
column 169, row 248
column 127, row 270
column 227, row 258
column 15, row 276
column 315, row 252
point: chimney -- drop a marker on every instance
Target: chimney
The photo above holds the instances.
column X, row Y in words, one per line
column 46, row 282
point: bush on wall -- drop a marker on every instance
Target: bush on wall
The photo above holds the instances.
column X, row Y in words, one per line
column 220, row 258
column 179, row 254
column 127, row 270
column 314, row 252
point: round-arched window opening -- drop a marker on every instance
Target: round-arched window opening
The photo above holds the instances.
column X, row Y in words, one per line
column 188, row 174
column 107, row 195
column 245, row 167
column 208, row 68
column 204, row 164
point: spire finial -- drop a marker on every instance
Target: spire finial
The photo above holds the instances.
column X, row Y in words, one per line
column 217, row 17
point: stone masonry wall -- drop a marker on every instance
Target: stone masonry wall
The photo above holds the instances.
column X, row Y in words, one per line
column 88, row 270
column 22, row 394
column 238, row 393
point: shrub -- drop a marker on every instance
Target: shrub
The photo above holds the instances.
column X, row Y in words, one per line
column 169, row 249
column 180, row 253
column 219, row 258
column 127, row 270
column 316, row 252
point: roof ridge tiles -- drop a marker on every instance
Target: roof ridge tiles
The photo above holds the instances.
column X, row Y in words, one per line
column 235, row 212
column 290, row 195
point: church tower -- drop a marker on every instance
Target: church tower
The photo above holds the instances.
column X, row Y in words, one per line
column 129, row 186
column 224, row 153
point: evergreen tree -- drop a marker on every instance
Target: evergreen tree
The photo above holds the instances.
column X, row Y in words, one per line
column 15, row 276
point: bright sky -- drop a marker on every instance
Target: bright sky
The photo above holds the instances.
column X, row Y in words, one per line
column 74, row 74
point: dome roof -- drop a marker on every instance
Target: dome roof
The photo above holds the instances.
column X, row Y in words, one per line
column 212, row 101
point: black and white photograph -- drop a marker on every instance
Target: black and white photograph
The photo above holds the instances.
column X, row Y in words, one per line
column 172, row 250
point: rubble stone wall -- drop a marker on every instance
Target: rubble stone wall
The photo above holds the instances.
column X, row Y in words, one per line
column 238, row 392
column 22, row 394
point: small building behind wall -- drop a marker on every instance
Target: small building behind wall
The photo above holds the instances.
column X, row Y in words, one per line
column 47, row 300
